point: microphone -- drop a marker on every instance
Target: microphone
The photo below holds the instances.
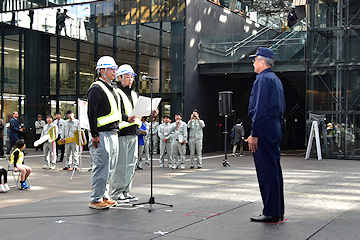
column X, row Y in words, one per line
column 148, row 77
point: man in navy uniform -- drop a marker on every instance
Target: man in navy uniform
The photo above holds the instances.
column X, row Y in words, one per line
column 266, row 107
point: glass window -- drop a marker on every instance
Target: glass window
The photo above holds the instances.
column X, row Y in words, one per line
column 87, row 66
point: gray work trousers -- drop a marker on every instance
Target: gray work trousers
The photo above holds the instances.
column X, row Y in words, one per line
column 177, row 150
column 49, row 154
column 195, row 145
column 104, row 158
column 165, row 146
column 155, row 143
column 147, row 148
column 72, row 154
column 125, row 167
column 140, row 151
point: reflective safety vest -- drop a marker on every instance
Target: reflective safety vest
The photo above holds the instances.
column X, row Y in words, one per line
column 128, row 108
column 115, row 113
column 20, row 159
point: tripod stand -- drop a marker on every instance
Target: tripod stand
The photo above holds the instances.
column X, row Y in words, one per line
column 152, row 198
column 226, row 163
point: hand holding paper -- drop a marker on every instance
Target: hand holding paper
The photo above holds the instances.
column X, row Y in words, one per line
column 143, row 106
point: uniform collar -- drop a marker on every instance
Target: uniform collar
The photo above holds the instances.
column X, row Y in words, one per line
column 259, row 75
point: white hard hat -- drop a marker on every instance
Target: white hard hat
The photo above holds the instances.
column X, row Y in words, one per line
column 125, row 69
column 7, row 125
column 106, row 62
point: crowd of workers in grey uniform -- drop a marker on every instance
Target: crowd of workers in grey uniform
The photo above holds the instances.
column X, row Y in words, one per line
column 172, row 138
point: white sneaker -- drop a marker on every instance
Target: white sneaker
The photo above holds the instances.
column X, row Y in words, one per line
column 175, row 166
column 52, row 167
column 2, row 188
column 170, row 166
column 234, row 154
column 122, row 199
column 6, row 186
column 161, row 165
column 182, row 167
column 241, row 155
column 131, row 198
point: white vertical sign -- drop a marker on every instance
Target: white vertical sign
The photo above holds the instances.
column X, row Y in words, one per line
column 83, row 117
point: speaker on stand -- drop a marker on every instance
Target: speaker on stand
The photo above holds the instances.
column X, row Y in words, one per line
column 225, row 110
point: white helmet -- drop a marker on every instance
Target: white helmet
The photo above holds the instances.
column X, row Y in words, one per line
column 106, row 62
column 125, row 69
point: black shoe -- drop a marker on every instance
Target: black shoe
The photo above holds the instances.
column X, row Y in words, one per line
column 191, row 167
column 66, row 168
column 25, row 153
column 199, row 167
column 2, row 156
column 263, row 218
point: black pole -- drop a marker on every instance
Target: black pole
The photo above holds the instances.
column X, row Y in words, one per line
column 152, row 198
column 226, row 163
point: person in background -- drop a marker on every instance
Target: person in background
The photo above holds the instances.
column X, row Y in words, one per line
column 71, row 149
column 17, row 160
column 15, row 129
column 59, row 122
column 141, row 143
column 2, row 125
column 154, row 135
column 146, row 141
column 3, row 187
column 178, row 146
column 49, row 155
column 292, row 17
column 196, row 125
column 239, row 130
column 165, row 136
column 39, row 124
column 8, row 144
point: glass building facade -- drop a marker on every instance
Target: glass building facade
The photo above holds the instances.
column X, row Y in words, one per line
column 333, row 74
column 46, row 67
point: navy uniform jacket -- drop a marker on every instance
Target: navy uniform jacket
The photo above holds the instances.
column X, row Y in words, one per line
column 14, row 130
column 266, row 100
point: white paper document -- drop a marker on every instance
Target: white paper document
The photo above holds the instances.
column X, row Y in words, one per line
column 143, row 106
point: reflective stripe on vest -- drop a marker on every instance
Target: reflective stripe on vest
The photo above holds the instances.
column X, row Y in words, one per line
column 115, row 113
column 128, row 108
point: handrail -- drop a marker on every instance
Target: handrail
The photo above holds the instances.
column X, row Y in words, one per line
column 236, row 46
column 285, row 45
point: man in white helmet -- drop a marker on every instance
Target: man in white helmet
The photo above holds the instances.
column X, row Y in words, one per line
column 128, row 137
column 104, row 115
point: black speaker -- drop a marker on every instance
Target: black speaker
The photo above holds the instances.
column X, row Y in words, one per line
column 225, row 103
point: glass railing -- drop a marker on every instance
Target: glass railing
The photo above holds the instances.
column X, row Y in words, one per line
column 236, row 47
column 239, row 46
column 290, row 42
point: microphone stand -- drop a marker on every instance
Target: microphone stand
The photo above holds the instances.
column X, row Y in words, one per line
column 226, row 163
column 152, row 198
